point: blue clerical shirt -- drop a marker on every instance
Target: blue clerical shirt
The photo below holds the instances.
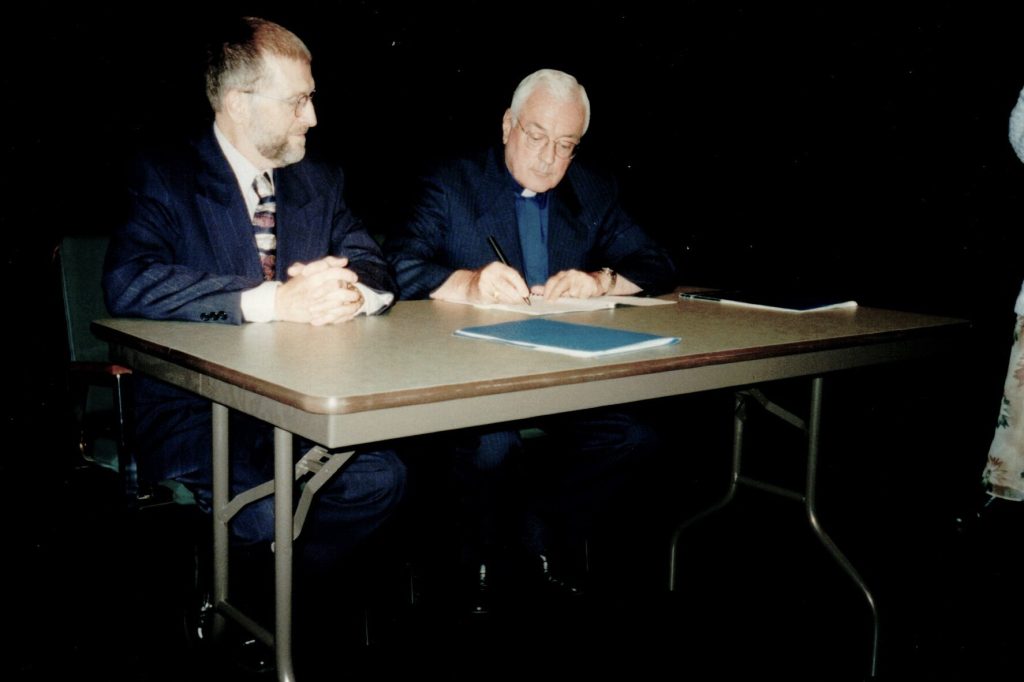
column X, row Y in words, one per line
column 532, row 217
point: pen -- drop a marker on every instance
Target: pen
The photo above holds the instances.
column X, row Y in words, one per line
column 700, row 297
column 501, row 257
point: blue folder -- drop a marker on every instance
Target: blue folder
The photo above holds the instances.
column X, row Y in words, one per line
column 580, row 340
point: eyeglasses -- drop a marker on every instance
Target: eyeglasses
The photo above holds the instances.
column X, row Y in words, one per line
column 536, row 140
column 298, row 104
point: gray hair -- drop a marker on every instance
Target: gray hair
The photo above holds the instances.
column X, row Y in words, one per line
column 237, row 61
column 560, row 84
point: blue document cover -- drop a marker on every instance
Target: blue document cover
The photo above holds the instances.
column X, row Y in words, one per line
column 580, row 340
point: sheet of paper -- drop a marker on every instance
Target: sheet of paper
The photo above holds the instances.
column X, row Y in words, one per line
column 637, row 300
column 538, row 306
column 784, row 302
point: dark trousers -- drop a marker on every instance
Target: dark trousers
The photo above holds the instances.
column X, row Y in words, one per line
column 345, row 511
column 546, row 498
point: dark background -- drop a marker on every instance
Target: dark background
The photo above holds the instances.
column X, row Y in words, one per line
column 859, row 146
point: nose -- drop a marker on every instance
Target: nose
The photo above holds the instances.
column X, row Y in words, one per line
column 309, row 114
column 547, row 152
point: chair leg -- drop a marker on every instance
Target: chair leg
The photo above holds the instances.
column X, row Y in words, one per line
column 198, row 610
column 77, row 394
column 122, row 429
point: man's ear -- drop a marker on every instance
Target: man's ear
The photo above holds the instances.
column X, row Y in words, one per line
column 506, row 126
column 236, row 105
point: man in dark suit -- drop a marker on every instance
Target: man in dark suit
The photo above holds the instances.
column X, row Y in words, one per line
column 203, row 242
column 563, row 233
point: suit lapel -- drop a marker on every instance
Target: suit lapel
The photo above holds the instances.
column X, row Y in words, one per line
column 496, row 213
column 224, row 214
column 297, row 208
column 567, row 235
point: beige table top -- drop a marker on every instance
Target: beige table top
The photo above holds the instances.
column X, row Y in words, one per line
column 405, row 373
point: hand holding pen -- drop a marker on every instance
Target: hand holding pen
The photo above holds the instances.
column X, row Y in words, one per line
column 518, row 281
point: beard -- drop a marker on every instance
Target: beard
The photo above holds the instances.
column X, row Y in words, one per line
column 280, row 148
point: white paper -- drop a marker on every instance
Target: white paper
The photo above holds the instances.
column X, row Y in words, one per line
column 538, row 306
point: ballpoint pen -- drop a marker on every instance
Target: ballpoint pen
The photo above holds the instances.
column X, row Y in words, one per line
column 501, row 257
column 699, row 297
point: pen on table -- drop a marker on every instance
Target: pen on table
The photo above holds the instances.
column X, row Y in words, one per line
column 501, row 257
column 700, row 297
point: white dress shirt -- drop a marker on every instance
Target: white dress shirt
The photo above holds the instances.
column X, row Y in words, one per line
column 258, row 304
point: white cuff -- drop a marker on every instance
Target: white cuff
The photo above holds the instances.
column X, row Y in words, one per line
column 258, row 303
column 373, row 301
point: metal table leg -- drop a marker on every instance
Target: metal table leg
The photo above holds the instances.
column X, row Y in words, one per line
column 317, row 466
column 221, row 493
column 810, row 500
column 223, row 511
column 808, row 497
column 283, row 492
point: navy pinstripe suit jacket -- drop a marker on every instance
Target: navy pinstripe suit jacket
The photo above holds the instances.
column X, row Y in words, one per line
column 187, row 252
column 466, row 200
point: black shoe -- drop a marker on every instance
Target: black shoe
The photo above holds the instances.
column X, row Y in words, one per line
column 558, row 585
column 253, row 657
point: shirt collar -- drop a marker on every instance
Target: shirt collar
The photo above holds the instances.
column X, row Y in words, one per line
column 243, row 168
column 520, row 191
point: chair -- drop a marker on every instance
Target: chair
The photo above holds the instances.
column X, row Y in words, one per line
column 100, row 416
column 99, row 390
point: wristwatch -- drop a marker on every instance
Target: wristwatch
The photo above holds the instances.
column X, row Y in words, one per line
column 612, row 277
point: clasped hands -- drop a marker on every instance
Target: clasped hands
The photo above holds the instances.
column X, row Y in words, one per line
column 499, row 283
column 320, row 292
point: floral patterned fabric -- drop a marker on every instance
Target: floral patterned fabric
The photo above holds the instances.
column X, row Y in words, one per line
column 1004, row 472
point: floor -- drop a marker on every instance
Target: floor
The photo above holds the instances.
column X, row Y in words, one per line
column 98, row 588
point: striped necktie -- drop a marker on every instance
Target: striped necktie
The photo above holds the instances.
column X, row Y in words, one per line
column 264, row 223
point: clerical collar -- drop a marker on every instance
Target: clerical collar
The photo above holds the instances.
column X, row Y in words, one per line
column 541, row 197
